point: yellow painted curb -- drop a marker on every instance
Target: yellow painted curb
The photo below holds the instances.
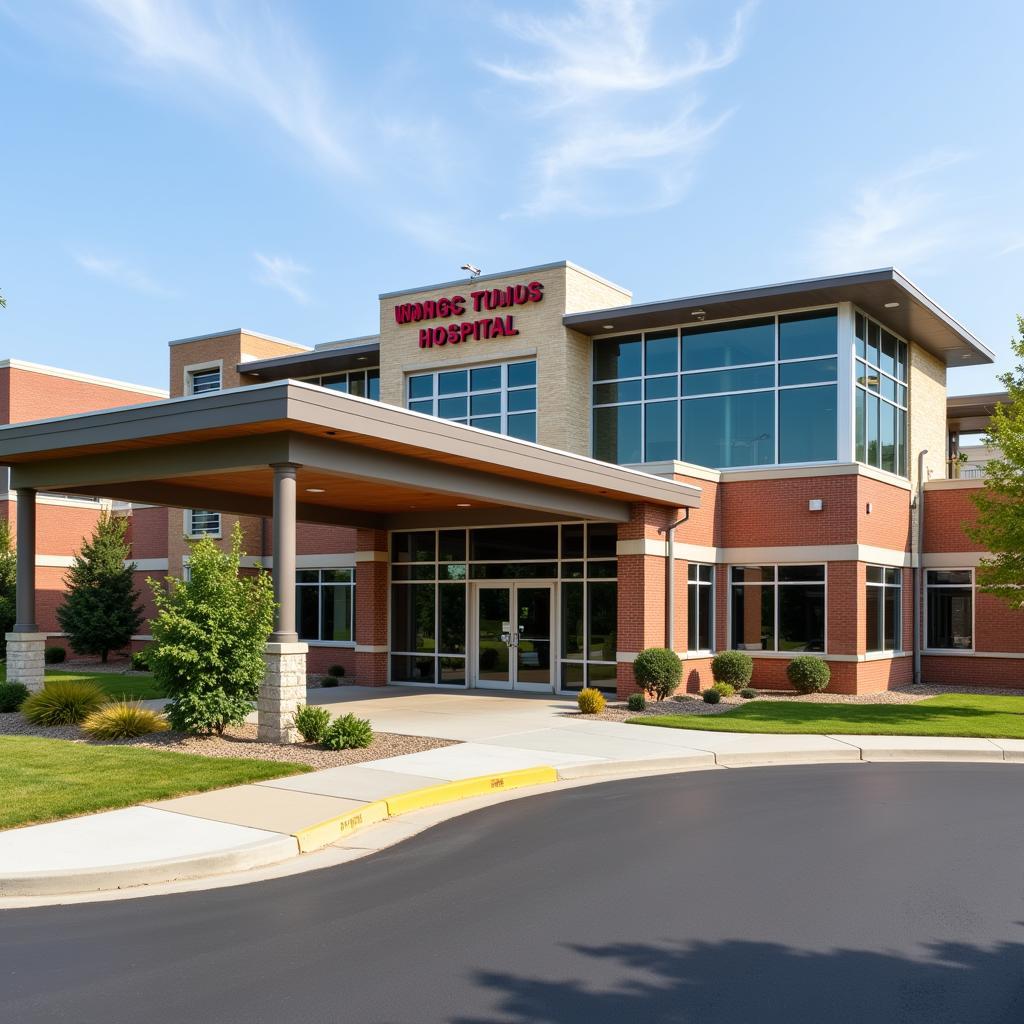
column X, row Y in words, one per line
column 482, row 785
column 330, row 831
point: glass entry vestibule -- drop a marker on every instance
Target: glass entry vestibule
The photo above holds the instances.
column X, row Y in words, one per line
column 505, row 607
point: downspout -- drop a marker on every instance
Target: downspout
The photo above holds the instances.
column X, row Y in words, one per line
column 670, row 579
column 918, row 569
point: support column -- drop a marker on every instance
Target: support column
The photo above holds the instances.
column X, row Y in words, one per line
column 26, row 645
column 371, row 607
column 284, row 685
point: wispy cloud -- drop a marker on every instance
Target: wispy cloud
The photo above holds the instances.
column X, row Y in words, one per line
column 120, row 273
column 281, row 272
column 624, row 121
column 1012, row 247
column 240, row 50
column 902, row 219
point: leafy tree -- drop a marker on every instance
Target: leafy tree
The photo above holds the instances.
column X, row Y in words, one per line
column 209, row 638
column 8, row 575
column 1000, row 523
column 101, row 611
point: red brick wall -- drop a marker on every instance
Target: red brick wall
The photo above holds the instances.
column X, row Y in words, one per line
column 945, row 513
column 147, row 532
column 28, row 395
column 972, row 670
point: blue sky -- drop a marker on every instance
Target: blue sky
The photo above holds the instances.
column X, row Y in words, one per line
column 170, row 169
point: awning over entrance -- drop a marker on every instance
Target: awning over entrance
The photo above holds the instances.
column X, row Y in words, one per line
column 359, row 462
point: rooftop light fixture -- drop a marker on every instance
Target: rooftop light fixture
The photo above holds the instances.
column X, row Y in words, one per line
column 891, row 305
column 314, row 490
column 463, row 504
column 698, row 314
column 608, row 327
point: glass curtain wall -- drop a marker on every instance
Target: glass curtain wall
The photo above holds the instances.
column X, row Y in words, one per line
column 430, row 573
column 364, row 383
column 880, row 397
column 753, row 392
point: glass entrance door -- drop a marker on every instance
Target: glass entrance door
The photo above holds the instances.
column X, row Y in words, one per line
column 514, row 627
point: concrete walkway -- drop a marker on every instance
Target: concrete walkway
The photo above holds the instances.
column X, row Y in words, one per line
column 508, row 742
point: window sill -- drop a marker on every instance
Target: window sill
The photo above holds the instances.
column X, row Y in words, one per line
column 328, row 643
column 956, row 652
column 201, row 536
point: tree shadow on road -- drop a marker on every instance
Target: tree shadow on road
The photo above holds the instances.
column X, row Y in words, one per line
column 736, row 982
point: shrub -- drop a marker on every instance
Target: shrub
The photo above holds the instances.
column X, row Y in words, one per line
column 347, row 733
column 209, row 637
column 711, row 696
column 748, row 693
column 724, row 689
column 124, row 720
column 329, row 681
column 636, row 702
column 336, row 671
column 657, row 671
column 312, row 723
column 12, row 696
column 63, row 703
column 590, row 701
column 732, row 667
column 140, row 660
column 808, row 675
column 54, row 655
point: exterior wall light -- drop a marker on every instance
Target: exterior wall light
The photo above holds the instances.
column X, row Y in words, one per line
column 815, row 505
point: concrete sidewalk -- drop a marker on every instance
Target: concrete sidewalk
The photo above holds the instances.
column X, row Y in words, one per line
column 508, row 743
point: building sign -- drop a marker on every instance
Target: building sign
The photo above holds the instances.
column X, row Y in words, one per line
column 455, row 307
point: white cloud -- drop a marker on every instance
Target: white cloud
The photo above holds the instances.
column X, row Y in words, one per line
column 626, row 128
column 242, row 51
column 902, row 219
column 1012, row 247
column 120, row 273
column 281, row 272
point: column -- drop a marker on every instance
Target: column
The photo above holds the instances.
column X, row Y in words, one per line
column 26, row 645
column 284, row 685
column 371, row 607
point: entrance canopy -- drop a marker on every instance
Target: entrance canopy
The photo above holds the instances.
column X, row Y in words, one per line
column 357, row 462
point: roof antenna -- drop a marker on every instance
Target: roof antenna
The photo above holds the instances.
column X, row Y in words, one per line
column 473, row 271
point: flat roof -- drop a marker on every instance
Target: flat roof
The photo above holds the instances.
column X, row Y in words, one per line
column 917, row 317
column 361, row 462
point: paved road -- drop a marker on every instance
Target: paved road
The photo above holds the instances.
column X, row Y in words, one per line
column 827, row 894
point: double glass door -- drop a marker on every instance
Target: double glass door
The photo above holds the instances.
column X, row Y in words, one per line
column 514, row 629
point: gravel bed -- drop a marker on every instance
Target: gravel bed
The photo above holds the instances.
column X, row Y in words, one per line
column 238, row 741
column 690, row 704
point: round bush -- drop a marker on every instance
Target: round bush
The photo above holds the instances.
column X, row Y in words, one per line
column 732, row 667
column 63, row 703
column 748, row 693
column 348, row 733
column 657, row 671
column 808, row 675
column 124, row 720
column 636, row 702
column 312, row 723
column 724, row 689
column 54, row 655
column 329, row 681
column 590, row 701
column 711, row 696
column 12, row 696
column 337, row 671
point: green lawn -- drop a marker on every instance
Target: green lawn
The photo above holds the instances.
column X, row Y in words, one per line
column 138, row 686
column 48, row 779
column 952, row 714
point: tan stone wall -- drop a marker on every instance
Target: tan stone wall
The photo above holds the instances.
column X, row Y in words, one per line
column 927, row 414
column 232, row 348
column 563, row 357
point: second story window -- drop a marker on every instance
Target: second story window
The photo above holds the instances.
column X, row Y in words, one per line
column 881, row 397
column 203, row 380
column 364, row 383
column 501, row 397
column 200, row 523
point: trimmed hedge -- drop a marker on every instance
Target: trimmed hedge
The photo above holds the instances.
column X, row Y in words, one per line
column 711, row 696
column 658, row 671
column 636, row 702
column 808, row 674
column 733, row 667
column 54, row 655
column 336, row 671
column 12, row 696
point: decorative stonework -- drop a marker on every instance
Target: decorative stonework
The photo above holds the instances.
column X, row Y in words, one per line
column 25, row 659
column 282, row 691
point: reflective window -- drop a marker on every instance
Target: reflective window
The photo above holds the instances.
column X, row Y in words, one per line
column 884, row 608
column 880, row 397
column 729, row 344
column 364, row 383
column 807, row 420
column 730, row 430
column 203, row 381
column 777, row 608
column 501, row 398
column 700, row 604
column 325, row 599
column 201, row 523
column 949, row 601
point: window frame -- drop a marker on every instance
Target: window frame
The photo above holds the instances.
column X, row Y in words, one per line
column 190, row 531
column 776, row 585
column 367, row 373
column 695, row 585
column 319, row 586
column 884, row 587
column 971, row 588
column 194, row 370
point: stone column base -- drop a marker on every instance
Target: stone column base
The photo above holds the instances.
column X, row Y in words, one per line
column 283, row 689
column 25, row 659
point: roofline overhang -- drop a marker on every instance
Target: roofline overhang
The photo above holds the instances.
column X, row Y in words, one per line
column 864, row 288
column 316, row 361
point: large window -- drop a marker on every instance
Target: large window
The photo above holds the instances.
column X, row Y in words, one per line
column 325, row 604
column 880, row 397
column 501, row 397
column 884, row 589
column 950, row 609
column 700, row 604
column 201, row 523
column 743, row 393
column 364, row 383
column 777, row 608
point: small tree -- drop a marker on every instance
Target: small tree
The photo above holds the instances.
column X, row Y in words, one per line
column 1000, row 524
column 209, row 637
column 8, row 583
column 101, row 611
